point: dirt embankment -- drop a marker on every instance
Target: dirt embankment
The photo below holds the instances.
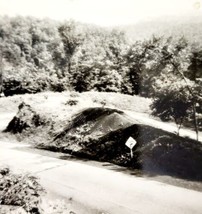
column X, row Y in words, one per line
column 100, row 133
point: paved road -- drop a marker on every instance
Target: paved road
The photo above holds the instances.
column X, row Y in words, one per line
column 167, row 126
column 100, row 190
column 5, row 118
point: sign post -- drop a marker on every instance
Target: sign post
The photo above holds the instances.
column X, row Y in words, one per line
column 131, row 153
column 130, row 143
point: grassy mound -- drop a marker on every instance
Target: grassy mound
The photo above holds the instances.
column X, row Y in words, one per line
column 97, row 133
column 41, row 116
column 93, row 125
column 101, row 133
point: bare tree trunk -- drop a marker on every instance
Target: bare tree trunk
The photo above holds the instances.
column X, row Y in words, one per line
column 179, row 126
column 69, row 65
column 1, row 74
column 195, row 121
column 193, row 102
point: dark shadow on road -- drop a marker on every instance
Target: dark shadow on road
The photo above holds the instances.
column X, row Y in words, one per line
column 156, row 175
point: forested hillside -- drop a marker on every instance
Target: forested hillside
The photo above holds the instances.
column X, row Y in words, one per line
column 40, row 55
column 43, row 55
column 176, row 26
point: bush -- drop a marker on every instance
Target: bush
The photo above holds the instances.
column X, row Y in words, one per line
column 72, row 102
column 74, row 94
column 20, row 190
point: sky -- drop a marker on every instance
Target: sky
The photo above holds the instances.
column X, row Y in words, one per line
column 101, row 12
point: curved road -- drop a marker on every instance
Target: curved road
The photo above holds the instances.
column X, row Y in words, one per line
column 100, row 190
column 146, row 119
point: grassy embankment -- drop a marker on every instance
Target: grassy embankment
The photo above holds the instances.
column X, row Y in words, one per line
column 93, row 125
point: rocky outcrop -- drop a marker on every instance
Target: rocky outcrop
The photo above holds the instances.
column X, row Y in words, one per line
column 25, row 119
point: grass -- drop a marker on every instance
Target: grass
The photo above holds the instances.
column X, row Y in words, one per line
column 70, row 122
column 57, row 102
column 60, row 107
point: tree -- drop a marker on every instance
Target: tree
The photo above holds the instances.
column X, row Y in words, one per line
column 176, row 56
column 98, row 62
column 195, row 67
column 172, row 101
column 71, row 38
column 144, row 61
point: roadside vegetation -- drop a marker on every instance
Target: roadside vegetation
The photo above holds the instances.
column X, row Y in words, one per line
column 92, row 125
column 22, row 193
column 20, row 190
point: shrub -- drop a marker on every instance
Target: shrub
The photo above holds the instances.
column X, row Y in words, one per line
column 20, row 190
column 72, row 102
column 74, row 94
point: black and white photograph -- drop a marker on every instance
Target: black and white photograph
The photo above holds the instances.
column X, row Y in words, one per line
column 100, row 106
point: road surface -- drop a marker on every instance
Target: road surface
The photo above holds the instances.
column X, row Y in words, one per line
column 146, row 119
column 100, row 190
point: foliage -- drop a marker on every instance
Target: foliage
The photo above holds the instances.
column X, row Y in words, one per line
column 71, row 38
column 42, row 55
column 72, row 102
column 45, row 55
column 97, row 65
column 150, row 59
column 172, row 102
column 24, row 191
column 20, row 190
column 195, row 67
column 177, row 95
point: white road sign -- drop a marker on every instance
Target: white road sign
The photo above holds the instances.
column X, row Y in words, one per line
column 131, row 142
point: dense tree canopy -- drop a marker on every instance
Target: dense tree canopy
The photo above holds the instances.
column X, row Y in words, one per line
column 46, row 55
column 38, row 55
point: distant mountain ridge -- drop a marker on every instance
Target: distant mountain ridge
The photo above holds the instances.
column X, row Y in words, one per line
column 188, row 26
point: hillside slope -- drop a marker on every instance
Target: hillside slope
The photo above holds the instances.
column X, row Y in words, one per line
column 99, row 132
column 187, row 26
